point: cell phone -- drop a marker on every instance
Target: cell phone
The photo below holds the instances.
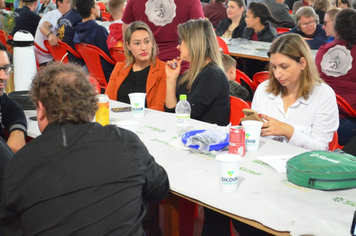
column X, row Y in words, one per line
column 251, row 115
column 353, row 226
column 121, row 109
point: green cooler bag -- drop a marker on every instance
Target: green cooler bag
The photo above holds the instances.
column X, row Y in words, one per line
column 323, row 170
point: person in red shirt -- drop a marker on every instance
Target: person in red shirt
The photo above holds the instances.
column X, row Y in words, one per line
column 215, row 11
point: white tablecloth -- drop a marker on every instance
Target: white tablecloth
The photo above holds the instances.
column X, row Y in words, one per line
column 263, row 194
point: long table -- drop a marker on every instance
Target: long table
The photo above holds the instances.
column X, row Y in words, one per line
column 251, row 49
column 264, row 199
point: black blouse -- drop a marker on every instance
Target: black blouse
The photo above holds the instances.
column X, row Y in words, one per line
column 135, row 82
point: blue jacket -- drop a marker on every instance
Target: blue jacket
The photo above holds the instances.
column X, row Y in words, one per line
column 319, row 37
column 91, row 33
column 66, row 31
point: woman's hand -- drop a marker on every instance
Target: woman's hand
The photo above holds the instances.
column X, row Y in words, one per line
column 276, row 127
column 173, row 69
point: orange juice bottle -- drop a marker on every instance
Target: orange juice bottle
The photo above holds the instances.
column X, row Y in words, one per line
column 102, row 115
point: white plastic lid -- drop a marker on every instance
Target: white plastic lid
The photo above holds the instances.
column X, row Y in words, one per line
column 103, row 98
column 23, row 35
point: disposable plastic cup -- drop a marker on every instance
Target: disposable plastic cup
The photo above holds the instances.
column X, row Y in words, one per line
column 128, row 124
column 252, row 134
column 137, row 101
column 229, row 165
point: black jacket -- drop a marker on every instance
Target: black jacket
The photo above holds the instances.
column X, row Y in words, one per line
column 267, row 34
column 12, row 116
column 80, row 179
column 224, row 25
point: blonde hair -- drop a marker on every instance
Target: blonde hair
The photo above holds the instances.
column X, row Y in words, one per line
column 228, row 62
column 322, row 5
column 115, row 5
column 200, row 39
column 131, row 28
column 294, row 46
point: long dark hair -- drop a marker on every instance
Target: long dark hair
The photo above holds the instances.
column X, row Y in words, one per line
column 261, row 10
column 345, row 26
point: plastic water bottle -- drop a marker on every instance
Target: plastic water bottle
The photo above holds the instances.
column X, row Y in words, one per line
column 182, row 115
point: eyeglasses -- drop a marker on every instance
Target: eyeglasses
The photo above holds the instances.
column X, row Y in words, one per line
column 179, row 41
column 306, row 24
column 8, row 69
column 325, row 22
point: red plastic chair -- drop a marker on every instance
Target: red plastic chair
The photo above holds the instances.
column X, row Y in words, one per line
column 95, row 84
column 102, row 6
column 117, row 53
column 259, row 77
column 281, row 30
column 60, row 53
column 242, row 76
column 222, row 45
column 91, row 55
column 3, row 39
column 42, row 50
column 236, row 107
column 345, row 105
column 106, row 16
column 334, row 144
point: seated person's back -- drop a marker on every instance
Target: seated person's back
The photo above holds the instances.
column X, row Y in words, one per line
column 77, row 177
column 337, row 66
column 89, row 32
column 26, row 18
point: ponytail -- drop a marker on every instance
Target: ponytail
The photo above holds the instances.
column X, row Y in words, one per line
column 262, row 11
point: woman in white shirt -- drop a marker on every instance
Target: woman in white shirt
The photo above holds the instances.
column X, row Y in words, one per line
column 299, row 108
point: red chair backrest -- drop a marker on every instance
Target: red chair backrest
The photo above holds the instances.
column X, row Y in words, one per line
column 345, row 105
column 236, row 107
column 41, row 49
column 91, row 55
column 334, row 144
column 222, row 45
column 281, row 30
column 105, row 16
column 242, row 76
column 117, row 54
column 95, row 84
column 60, row 53
column 259, row 77
column 3, row 40
column 102, row 6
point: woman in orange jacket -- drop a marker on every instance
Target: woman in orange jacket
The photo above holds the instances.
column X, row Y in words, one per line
column 143, row 71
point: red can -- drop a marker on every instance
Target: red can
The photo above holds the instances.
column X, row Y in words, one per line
column 237, row 140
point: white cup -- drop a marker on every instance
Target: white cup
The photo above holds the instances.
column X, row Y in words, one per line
column 128, row 124
column 137, row 101
column 252, row 134
column 229, row 165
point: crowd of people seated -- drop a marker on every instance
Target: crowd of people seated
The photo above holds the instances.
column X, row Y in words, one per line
column 170, row 49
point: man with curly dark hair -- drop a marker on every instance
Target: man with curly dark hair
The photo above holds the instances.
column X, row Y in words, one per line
column 78, row 177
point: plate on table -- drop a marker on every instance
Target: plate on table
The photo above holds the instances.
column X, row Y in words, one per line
column 214, row 147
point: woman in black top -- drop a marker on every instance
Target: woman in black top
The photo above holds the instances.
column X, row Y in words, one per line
column 232, row 26
column 258, row 26
column 205, row 82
